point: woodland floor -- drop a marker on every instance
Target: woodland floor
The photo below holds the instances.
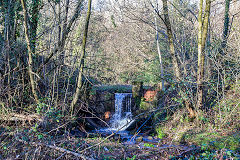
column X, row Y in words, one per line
column 28, row 143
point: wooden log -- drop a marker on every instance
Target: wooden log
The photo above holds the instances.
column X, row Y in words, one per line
column 20, row 117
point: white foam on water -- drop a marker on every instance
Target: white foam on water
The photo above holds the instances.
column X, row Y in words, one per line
column 122, row 117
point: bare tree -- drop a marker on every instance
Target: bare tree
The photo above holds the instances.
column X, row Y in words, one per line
column 170, row 40
column 34, row 23
column 30, row 60
column 81, row 59
column 226, row 27
column 202, row 36
column 159, row 53
column 65, row 33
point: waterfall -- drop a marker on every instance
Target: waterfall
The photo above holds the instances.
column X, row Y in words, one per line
column 122, row 117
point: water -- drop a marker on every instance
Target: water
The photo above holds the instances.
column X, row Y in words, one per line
column 122, row 117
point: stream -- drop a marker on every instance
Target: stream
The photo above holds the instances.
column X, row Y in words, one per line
column 120, row 122
column 119, row 142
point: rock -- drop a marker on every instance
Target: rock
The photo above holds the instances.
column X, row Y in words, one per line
column 139, row 139
column 137, row 92
column 131, row 126
column 92, row 123
column 150, row 138
column 107, row 115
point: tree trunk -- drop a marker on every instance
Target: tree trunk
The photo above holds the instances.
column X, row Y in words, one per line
column 61, row 50
column 170, row 40
column 174, row 59
column 225, row 28
column 30, row 60
column 81, row 60
column 202, row 35
column 34, row 23
column 64, row 35
column 159, row 53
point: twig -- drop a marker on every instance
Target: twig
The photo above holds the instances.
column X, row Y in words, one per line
column 61, row 156
column 57, row 148
column 99, row 142
column 134, row 135
column 227, row 117
column 58, row 127
column 145, row 122
column 113, row 133
column 189, row 151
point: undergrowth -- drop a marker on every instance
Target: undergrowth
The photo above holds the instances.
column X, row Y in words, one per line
column 215, row 130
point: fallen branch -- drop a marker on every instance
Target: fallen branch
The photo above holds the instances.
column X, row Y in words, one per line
column 114, row 132
column 57, row 149
column 20, row 117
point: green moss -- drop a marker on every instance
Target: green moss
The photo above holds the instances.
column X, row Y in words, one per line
column 145, row 105
column 113, row 88
column 160, row 132
column 230, row 142
column 214, row 140
column 201, row 138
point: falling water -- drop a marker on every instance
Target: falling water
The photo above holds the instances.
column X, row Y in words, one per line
column 122, row 117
